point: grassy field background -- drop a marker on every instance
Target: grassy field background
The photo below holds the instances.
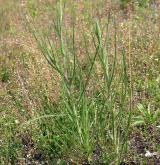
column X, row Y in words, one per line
column 79, row 82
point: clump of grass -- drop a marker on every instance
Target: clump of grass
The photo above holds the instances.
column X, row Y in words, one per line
column 10, row 144
column 4, row 75
column 84, row 127
column 88, row 121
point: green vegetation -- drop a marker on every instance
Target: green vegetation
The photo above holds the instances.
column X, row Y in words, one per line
column 80, row 82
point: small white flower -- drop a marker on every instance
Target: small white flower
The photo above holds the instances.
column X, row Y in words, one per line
column 149, row 154
column 17, row 121
column 158, row 126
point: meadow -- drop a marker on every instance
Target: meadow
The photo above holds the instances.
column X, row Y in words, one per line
column 79, row 82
